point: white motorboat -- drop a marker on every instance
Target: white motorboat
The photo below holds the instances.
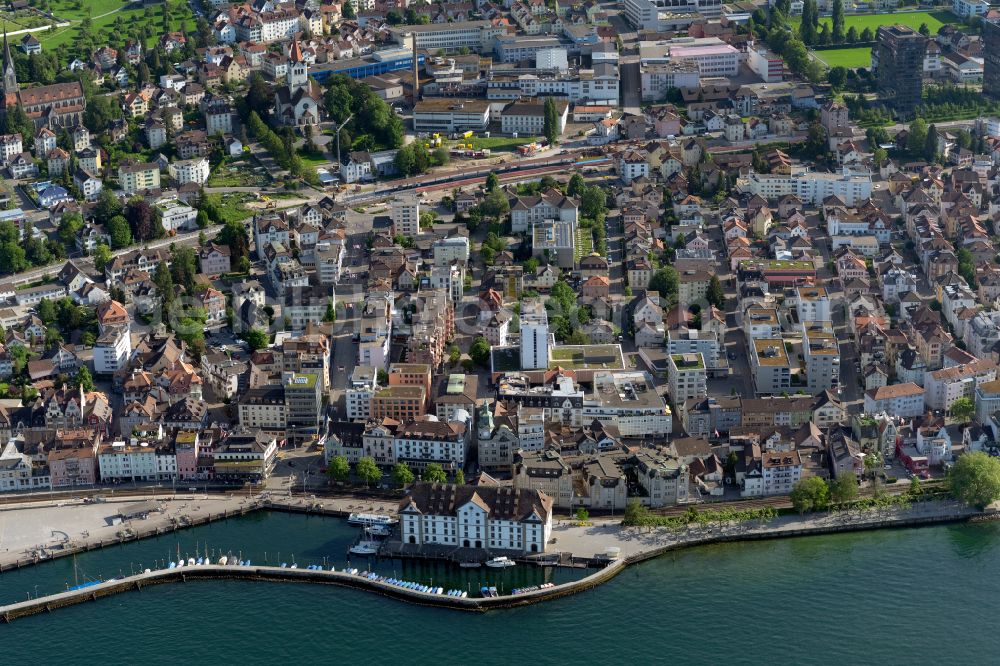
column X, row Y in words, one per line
column 365, row 548
column 379, row 530
column 368, row 519
column 500, row 562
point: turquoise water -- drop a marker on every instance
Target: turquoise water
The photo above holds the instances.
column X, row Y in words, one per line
column 916, row 596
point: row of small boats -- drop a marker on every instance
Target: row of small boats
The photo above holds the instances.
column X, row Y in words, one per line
column 193, row 562
column 532, row 588
column 410, row 585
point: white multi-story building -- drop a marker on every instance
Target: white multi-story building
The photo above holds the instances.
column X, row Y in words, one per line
column 600, row 84
column 659, row 77
column 534, row 336
column 771, row 367
column 527, row 117
column 526, row 211
column 821, row 355
column 851, row 187
column 780, row 471
column 428, row 440
column 195, row 170
column 629, row 400
column 945, row 386
column 812, row 303
column 687, row 376
column 405, row 212
column 663, row 15
column 478, row 36
column 766, row 64
column 136, row 461
column 905, row 400
column 967, row 8
column 175, row 215
column 447, row 250
column 112, row 350
column 359, row 392
column 482, row 517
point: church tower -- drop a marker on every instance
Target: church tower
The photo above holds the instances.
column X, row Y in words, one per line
column 9, row 73
column 298, row 69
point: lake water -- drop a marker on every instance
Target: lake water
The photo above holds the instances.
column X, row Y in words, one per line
column 914, row 596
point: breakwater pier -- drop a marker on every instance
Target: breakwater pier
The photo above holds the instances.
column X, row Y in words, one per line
column 636, row 544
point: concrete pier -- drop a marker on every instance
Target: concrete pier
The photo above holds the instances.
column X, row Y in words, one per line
column 637, row 546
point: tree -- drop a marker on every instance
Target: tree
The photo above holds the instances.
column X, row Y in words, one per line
column 258, row 97
column 867, row 35
column 434, row 473
column 551, row 121
column 837, row 77
column 495, row 205
column 924, row 30
column 915, row 489
column 492, row 182
column 810, row 494
column 931, row 144
column 479, row 352
column 367, row 471
column 962, row 410
column 47, row 311
column 576, row 185
column 16, row 121
column 338, row 469
column 852, row 35
column 454, row 355
column 665, row 282
column 119, row 231
column 843, row 489
column 83, row 379
column 459, row 477
column 69, row 226
column 143, row 220
column 347, row 11
column 235, row 235
column 838, row 21
column 916, row 139
column 975, row 479
column 401, row 475
column 635, row 513
column 593, row 202
column 108, row 206
column 582, row 515
column 102, row 256
column 716, row 296
column 257, row 338
column 530, row 266
column 331, row 313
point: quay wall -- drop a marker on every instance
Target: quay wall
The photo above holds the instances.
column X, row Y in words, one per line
column 261, row 573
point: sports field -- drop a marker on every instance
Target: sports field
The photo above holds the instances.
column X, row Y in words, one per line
column 934, row 20
column 851, row 58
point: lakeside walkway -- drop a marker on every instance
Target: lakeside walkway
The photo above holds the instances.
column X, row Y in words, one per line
column 636, row 544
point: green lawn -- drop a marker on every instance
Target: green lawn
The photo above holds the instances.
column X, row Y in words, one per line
column 103, row 26
column 851, row 58
column 231, row 206
column 934, row 20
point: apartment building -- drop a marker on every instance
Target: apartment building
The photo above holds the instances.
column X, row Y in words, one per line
column 687, row 377
column 771, row 366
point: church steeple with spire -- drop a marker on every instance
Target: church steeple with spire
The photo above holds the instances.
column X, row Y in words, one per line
column 9, row 73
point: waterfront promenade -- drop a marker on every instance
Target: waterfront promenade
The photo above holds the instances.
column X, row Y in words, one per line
column 636, row 544
column 33, row 532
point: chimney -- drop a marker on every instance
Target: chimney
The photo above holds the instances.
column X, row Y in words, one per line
column 416, row 69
